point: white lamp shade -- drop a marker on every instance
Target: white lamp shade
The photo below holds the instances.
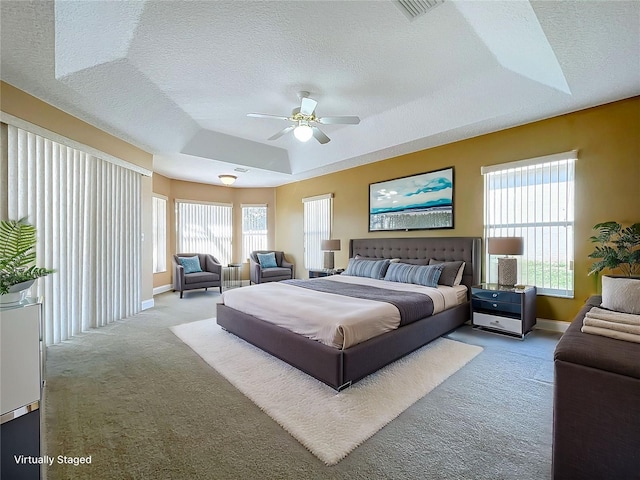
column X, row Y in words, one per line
column 330, row 245
column 505, row 245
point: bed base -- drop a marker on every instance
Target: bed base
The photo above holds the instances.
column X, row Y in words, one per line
column 339, row 368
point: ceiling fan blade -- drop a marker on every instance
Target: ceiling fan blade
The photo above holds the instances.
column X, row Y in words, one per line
column 266, row 115
column 349, row 120
column 321, row 137
column 307, row 105
column 282, row 132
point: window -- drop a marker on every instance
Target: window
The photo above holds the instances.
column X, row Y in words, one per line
column 317, row 227
column 534, row 199
column 205, row 228
column 254, row 229
column 159, row 234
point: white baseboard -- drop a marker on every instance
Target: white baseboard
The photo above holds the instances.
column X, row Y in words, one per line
column 552, row 325
column 162, row 289
column 146, row 304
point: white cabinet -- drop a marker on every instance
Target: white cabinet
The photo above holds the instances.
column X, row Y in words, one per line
column 21, row 356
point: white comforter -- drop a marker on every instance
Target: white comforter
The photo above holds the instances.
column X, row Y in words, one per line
column 332, row 319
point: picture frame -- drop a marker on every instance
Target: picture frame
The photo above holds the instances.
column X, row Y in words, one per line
column 415, row 202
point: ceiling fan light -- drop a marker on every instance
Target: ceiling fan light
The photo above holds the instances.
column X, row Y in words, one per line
column 303, row 132
column 227, row 179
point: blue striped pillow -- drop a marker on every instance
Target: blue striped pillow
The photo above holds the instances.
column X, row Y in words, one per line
column 367, row 268
column 427, row 275
column 400, row 272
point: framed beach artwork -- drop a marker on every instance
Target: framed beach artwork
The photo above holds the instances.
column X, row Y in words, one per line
column 417, row 202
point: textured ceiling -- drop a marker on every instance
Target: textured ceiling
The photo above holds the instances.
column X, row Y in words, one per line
column 177, row 78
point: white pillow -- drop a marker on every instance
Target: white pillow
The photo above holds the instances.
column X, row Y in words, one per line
column 621, row 294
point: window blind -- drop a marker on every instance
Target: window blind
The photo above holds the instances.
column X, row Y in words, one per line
column 254, row 229
column 317, row 227
column 205, row 228
column 87, row 212
column 159, row 234
column 534, row 199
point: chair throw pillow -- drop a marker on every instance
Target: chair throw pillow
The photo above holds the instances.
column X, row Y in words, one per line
column 267, row 260
column 190, row 264
column 621, row 294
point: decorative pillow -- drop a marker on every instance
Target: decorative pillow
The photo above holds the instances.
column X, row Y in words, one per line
column 267, row 260
column 391, row 260
column 451, row 273
column 400, row 272
column 621, row 294
column 367, row 268
column 427, row 275
column 190, row 264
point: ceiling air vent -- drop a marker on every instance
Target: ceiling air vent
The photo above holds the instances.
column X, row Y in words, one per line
column 416, row 8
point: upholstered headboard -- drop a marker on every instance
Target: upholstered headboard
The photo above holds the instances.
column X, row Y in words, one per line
column 415, row 249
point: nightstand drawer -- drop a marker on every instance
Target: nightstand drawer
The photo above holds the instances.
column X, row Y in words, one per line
column 500, row 307
column 510, row 297
column 500, row 323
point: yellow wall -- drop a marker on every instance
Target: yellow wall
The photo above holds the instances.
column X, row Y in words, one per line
column 178, row 189
column 607, row 186
column 22, row 105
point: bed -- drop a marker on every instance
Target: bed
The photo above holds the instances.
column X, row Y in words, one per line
column 340, row 367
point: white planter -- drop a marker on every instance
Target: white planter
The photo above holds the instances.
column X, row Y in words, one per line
column 17, row 294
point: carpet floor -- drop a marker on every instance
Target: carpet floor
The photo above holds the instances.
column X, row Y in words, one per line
column 132, row 396
column 328, row 423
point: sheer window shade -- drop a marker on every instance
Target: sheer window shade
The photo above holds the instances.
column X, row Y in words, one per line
column 254, row 229
column 205, row 228
column 317, row 227
column 87, row 212
column 534, row 199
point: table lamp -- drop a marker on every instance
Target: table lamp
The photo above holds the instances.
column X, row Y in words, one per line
column 329, row 246
column 507, row 266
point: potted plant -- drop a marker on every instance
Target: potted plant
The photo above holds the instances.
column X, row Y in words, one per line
column 17, row 260
column 616, row 248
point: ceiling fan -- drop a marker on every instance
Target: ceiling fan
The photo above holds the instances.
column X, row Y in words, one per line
column 304, row 120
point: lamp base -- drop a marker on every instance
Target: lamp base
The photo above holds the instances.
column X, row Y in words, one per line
column 328, row 260
column 507, row 271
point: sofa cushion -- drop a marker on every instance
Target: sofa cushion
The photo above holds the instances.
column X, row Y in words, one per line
column 199, row 277
column 190, row 264
column 276, row 272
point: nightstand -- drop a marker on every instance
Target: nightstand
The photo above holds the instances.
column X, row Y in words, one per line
column 507, row 310
column 323, row 272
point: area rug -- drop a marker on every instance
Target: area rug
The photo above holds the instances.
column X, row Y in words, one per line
column 329, row 424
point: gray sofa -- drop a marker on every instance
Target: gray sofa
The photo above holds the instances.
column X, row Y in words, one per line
column 211, row 275
column 596, row 405
column 258, row 274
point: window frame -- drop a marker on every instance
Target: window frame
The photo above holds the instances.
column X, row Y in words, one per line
column 248, row 245
column 539, row 194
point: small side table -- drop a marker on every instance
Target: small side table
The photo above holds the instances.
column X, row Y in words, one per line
column 233, row 275
column 507, row 310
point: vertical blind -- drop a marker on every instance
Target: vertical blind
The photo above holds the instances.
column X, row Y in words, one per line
column 534, row 199
column 205, row 228
column 87, row 212
column 254, row 229
column 159, row 234
column 317, row 227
